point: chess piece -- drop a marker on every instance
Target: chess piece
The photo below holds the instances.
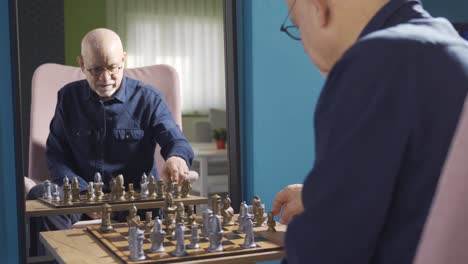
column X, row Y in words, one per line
column 98, row 185
column 106, row 224
column 151, row 188
column 112, row 184
column 206, row 222
column 261, row 216
column 157, row 237
column 194, row 239
column 171, row 226
column 271, row 222
column 160, row 191
column 149, row 222
column 175, row 190
column 136, row 245
column 255, row 205
column 119, row 188
column 169, row 209
column 186, row 188
column 47, row 190
column 215, row 204
column 249, row 240
column 241, row 219
column 90, row 197
column 180, row 213
column 144, row 186
column 67, row 197
column 131, row 192
column 227, row 212
column 133, row 219
column 215, row 234
column 191, row 215
column 55, row 193
column 75, row 190
column 180, row 241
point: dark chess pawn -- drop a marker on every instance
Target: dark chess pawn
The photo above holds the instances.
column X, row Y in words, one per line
column 249, row 240
column 194, row 239
column 215, row 234
column 149, row 222
column 157, row 237
column 47, row 190
column 180, row 241
column 90, row 197
column 75, row 190
column 106, row 224
column 67, row 197
column 256, row 203
column 215, row 204
column 186, row 188
column 133, row 220
column 271, row 222
column 171, row 226
column 175, row 188
column 191, row 215
column 160, row 191
column 169, row 209
column 227, row 212
column 260, row 217
column 131, row 192
column 180, row 213
column 151, row 188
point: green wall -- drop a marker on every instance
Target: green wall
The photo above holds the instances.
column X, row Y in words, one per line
column 80, row 17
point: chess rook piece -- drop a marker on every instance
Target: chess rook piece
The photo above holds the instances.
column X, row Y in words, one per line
column 133, row 219
column 271, row 222
column 249, row 240
column 144, row 186
column 75, row 190
column 119, row 188
column 215, row 204
column 98, row 185
column 215, row 234
column 180, row 241
column 90, row 197
column 261, row 216
column 67, row 196
column 180, row 213
column 194, row 239
column 191, row 215
column 47, row 190
column 186, row 188
column 131, row 192
column 136, row 244
column 227, row 212
column 157, row 237
column 55, row 193
column 106, row 224
column 160, row 191
column 206, row 222
column 151, row 188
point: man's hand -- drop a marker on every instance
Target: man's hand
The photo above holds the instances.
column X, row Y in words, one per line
column 175, row 169
column 94, row 215
column 289, row 202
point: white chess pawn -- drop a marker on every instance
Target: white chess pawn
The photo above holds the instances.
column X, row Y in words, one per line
column 47, row 190
column 249, row 241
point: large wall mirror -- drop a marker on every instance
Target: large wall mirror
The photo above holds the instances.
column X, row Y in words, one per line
column 197, row 38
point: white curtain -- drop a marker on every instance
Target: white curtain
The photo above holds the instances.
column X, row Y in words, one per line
column 186, row 34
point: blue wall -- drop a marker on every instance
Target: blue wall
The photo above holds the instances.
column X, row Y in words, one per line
column 8, row 212
column 454, row 10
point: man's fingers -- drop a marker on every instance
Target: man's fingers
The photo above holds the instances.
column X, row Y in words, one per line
column 280, row 199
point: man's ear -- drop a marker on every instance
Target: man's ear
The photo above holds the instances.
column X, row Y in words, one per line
column 79, row 59
column 322, row 8
column 124, row 59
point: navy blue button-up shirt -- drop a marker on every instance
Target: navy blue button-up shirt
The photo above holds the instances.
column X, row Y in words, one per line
column 383, row 123
column 117, row 136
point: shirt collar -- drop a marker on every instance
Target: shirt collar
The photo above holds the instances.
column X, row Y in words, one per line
column 121, row 94
column 382, row 18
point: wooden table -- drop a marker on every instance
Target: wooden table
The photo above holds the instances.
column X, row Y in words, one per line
column 77, row 246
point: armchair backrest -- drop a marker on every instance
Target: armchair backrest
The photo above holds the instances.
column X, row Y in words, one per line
column 49, row 78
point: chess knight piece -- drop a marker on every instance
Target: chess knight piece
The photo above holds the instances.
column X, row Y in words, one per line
column 98, row 185
column 47, row 190
column 215, row 204
column 106, row 224
column 215, row 234
column 180, row 241
column 151, row 188
column 157, row 237
column 249, row 240
column 75, row 190
column 144, row 186
column 271, row 222
column 261, row 216
column 133, row 219
column 67, row 197
column 186, row 188
column 227, row 212
column 119, row 188
column 160, row 191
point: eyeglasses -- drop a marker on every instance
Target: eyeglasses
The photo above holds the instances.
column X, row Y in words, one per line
column 112, row 69
column 291, row 30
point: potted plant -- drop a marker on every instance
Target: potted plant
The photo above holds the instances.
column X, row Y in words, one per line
column 220, row 135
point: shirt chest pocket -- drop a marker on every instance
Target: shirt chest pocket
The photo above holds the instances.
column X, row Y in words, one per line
column 128, row 135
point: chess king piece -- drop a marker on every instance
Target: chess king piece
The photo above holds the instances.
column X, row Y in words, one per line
column 180, row 213
column 133, row 219
column 151, row 188
column 194, row 239
column 186, row 188
column 106, row 224
column 149, row 222
column 67, row 197
column 90, row 197
column 47, row 190
column 261, row 216
column 249, row 240
column 227, row 212
column 191, row 215
column 160, row 191
column 157, row 237
column 136, row 244
column 242, row 214
column 144, row 186
column 119, row 188
column 98, row 185
column 180, row 241
column 215, row 234
column 55, row 193
column 215, row 204
column 271, row 222
column 206, row 222
column 131, row 192
column 75, row 190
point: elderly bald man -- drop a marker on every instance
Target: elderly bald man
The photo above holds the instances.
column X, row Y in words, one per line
column 396, row 82
column 109, row 123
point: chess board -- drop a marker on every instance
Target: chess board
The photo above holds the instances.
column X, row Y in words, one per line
column 106, row 199
column 116, row 242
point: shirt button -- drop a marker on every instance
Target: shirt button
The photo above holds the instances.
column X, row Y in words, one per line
column 127, row 136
